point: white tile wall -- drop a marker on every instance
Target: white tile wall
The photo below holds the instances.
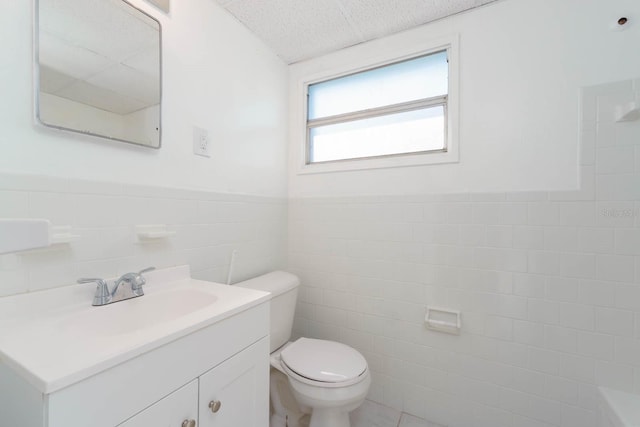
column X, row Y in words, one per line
column 208, row 226
column 548, row 283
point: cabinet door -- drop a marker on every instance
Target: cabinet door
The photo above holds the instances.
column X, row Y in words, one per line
column 171, row 411
column 236, row 392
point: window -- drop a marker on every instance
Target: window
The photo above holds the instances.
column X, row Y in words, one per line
column 398, row 109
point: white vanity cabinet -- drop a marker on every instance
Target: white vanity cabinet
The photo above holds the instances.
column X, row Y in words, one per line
column 230, row 395
column 226, row 361
column 233, row 394
column 180, row 407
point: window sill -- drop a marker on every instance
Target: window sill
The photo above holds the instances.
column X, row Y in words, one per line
column 407, row 160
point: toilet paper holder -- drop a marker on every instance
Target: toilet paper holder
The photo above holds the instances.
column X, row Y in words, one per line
column 443, row 320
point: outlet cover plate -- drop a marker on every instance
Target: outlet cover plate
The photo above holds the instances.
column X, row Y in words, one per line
column 201, row 142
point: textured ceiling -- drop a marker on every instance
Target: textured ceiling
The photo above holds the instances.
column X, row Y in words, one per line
column 301, row 29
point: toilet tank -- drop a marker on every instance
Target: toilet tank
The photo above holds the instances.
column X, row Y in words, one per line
column 283, row 287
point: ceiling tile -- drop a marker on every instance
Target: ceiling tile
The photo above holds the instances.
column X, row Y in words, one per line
column 303, row 29
column 377, row 18
column 297, row 29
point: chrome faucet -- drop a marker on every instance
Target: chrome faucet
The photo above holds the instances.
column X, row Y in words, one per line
column 104, row 296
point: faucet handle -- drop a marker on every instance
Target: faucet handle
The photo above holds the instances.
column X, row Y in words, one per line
column 102, row 295
column 139, row 280
column 146, row 270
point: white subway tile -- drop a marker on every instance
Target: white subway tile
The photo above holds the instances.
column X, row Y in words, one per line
column 543, row 213
column 615, row 268
column 578, row 368
column 573, row 416
column 614, row 322
column 499, row 236
column 96, row 211
column 543, row 311
column 434, row 213
column 13, row 282
column 14, row 204
column 56, row 207
column 577, row 316
column 560, row 339
column 627, row 351
column 458, row 213
column 561, row 389
column 543, row 262
column 561, row 289
column 588, row 395
column 544, row 360
column 560, row 238
column 627, row 296
column 618, row 187
column 596, row 240
column 529, row 285
column 499, row 327
column 486, row 213
column 587, row 147
column 577, row 265
column 615, row 160
column 530, row 333
column 528, row 237
column 473, row 235
column 598, row 346
column 605, row 134
column 597, row 293
column 627, row 241
column 577, row 214
column 511, row 306
column 528, row 381
column 615, row 214
column 513, row 213
column 614, row 375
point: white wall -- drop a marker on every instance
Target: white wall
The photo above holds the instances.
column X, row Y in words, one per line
column 522, row 64
column 210, row 80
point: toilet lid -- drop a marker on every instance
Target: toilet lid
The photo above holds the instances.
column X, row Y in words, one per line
column 325, row 361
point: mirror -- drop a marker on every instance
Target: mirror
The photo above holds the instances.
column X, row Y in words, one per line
column 98, row 68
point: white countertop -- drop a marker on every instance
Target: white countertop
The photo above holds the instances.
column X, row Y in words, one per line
column 56, row 338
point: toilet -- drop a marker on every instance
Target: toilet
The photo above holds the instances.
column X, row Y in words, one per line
column 312, row 382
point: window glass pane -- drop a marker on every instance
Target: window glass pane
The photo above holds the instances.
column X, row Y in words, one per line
column 406, row 132
column 417, row 78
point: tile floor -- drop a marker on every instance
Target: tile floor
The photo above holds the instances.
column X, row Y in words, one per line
column 372, row 414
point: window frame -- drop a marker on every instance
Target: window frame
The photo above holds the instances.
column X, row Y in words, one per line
column 447, row 155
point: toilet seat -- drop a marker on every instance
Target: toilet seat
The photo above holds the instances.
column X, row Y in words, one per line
column 323, row 363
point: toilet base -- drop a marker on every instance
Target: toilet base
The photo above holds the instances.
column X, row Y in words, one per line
column 329, row 418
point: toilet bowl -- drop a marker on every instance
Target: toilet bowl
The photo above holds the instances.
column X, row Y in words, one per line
column 330, row 378
column 321, row 378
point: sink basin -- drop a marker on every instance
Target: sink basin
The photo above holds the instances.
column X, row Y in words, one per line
column 55, row 338
column 130, row 316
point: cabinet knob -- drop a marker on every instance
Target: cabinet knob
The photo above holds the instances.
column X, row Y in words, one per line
column 189, row 423
column 215, row 405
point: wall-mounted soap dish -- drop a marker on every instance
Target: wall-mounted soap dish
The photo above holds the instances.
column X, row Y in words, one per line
column 153, row 232
column 61, row 235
